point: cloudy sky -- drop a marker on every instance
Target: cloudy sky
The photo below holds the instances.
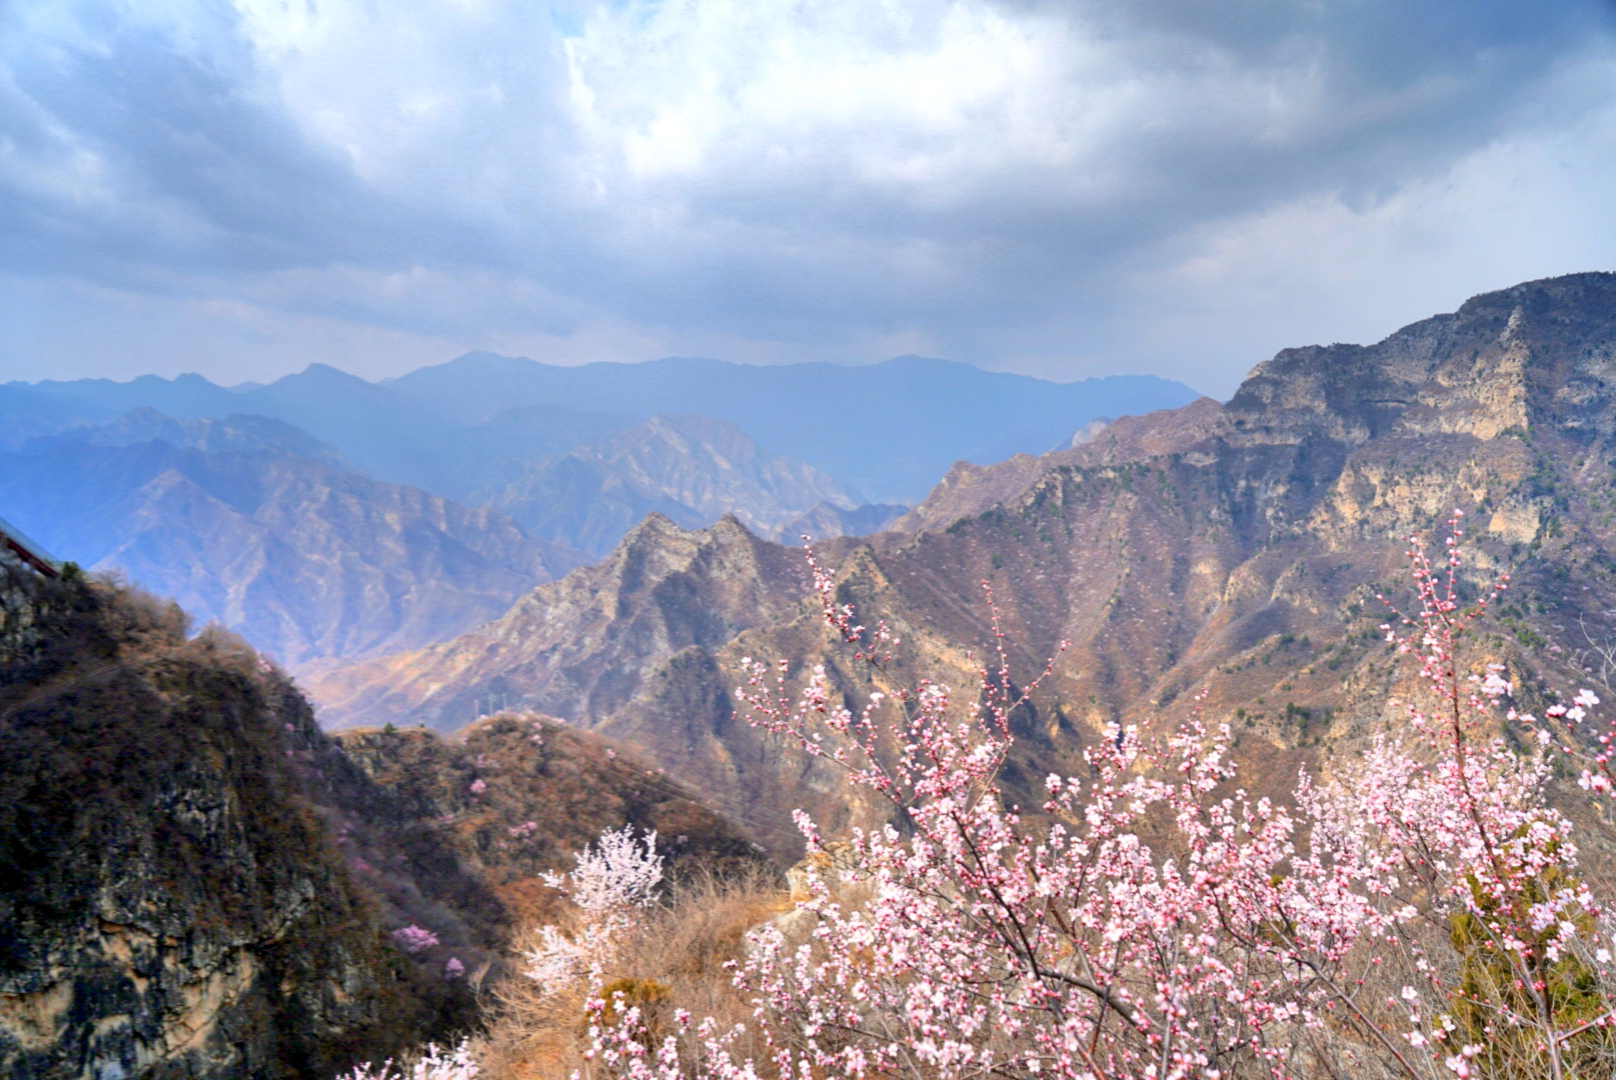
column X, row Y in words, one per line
column 1061, row 188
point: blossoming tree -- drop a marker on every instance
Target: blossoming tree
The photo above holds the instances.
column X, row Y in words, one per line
column 1422, row 916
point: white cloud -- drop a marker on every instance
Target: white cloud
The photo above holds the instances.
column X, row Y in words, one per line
column 1321, row 268
column 1058, row 187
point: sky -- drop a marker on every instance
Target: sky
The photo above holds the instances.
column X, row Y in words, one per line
column 1064, row 189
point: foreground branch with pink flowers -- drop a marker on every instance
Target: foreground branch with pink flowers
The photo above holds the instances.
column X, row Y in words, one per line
column 1422, row 915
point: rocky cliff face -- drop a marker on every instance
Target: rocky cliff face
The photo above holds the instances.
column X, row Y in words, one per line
column 170, row 903
column 1234, row 548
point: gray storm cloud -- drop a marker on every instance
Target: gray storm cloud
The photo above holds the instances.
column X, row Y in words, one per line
column 1064, row 189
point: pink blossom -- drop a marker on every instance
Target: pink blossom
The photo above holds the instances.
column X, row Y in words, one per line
column 412, row 938
column 1160, row 923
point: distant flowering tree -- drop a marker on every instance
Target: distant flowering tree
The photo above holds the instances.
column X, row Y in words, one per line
column 413, row 939
column 614, row 878
column 1424, row 916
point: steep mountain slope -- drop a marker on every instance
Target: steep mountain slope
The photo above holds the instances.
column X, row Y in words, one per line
column 307, row 559
column 581, row 647
column 200, row 883
column 1236, row 548
column 692, row 469
column 171, row 903
column 887, row 429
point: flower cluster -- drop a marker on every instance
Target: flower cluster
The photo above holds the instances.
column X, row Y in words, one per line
column 413, row 939
column 433, row 1064
column 614, row 877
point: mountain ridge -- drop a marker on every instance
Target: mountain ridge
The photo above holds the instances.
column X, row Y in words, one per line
column 308, row 559
column 1234, row 547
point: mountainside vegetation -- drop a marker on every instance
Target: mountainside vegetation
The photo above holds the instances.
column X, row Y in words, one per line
column 182, row 908
column 199, row 882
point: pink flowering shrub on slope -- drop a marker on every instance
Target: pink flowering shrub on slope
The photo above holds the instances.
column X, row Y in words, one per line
column 413, row 939
column 1423, row 917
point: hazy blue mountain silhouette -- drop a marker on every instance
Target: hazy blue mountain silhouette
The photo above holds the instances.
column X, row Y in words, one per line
column 890, row 430
column 250, row 522
column 376, row 429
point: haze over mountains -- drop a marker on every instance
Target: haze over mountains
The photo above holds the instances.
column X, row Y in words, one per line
column 327, row 516
column 886, row 430
column 1233, row 547
column 251, row 523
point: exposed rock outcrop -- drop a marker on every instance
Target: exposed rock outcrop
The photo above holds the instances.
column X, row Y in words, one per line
column 170, row 903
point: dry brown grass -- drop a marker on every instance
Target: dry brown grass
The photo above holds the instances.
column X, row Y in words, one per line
column 677, row 956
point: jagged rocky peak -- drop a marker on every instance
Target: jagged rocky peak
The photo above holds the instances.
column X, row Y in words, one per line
column 1543, row 352
column 581, row 647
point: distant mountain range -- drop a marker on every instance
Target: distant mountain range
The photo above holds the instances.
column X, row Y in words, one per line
column 252, row 523
column 326, row 516
column 694, row 469
column 1236, row 549
column 886, row 431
